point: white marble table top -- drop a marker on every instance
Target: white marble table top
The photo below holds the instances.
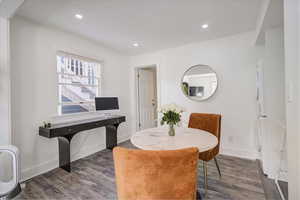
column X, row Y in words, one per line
column 158, row 139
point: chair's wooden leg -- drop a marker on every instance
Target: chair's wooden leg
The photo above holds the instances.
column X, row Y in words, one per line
column 198, row 195
column 217, row 164
column 205, row 176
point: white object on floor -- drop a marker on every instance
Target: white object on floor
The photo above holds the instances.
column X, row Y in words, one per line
column 158, row 139
column 7, row 187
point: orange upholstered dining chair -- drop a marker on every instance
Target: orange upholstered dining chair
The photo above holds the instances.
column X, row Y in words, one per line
column 156, row 175
column 210, row 123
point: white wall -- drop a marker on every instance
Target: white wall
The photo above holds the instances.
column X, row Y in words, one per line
column 292, row 74
column 274, row 74
column 5, row 131
column 5, row 114
column 34, row 92
column 274, row 102
column 234, row 60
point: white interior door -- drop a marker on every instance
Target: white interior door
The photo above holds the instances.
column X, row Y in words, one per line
column 147, row 98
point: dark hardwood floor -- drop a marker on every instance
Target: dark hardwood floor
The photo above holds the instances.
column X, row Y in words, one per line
column 270, row 188
column 284, row 187
column 93, row 178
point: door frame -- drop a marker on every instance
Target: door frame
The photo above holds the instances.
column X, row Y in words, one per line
column 136, row 90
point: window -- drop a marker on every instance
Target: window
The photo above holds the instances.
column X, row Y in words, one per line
column 78, row 83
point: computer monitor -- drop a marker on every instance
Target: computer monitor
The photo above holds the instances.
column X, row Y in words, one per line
column 107, row 103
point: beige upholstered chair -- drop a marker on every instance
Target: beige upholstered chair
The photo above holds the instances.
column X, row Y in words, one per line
column 156, row 175
column 210, row 123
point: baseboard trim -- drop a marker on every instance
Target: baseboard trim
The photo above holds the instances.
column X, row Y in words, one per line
column 282, row 177
column 42, row 168
column 241, row 153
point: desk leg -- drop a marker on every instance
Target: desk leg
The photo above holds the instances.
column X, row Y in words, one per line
column 111, row 136
column 64, row 145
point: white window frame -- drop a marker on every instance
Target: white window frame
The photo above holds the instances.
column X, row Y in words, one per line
column 97, row 76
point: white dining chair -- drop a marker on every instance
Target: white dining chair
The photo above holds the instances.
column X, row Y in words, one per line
column 6, row 187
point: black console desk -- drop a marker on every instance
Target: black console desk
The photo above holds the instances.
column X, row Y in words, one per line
column 65, row 132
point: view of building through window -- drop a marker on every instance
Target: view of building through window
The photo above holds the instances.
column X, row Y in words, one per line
column 78, row 83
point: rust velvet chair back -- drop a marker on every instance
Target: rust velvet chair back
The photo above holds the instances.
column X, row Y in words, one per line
column 156, row 175
column 210, row 123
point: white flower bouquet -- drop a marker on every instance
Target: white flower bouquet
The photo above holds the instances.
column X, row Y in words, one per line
column 171, row 116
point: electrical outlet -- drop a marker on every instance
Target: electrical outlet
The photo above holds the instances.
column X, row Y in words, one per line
column 230, row 139
column 23, row 185
column 259, row 148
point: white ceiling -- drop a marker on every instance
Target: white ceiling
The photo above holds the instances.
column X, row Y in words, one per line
column 274, row 16
column 155, row 24
column 8, row 7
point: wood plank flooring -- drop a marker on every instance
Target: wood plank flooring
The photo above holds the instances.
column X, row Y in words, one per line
column 93, row 178
column 284, row 187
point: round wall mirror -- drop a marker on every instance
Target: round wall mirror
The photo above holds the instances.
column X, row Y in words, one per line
column 199, row 82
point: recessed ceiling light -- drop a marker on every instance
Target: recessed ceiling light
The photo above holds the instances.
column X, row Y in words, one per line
column 135, row 44
column 204, row 26
column 78, row 16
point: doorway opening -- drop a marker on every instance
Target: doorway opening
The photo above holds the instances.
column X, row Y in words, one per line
column 146, row 97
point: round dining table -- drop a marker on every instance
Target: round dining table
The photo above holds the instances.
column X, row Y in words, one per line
column 158, row 139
